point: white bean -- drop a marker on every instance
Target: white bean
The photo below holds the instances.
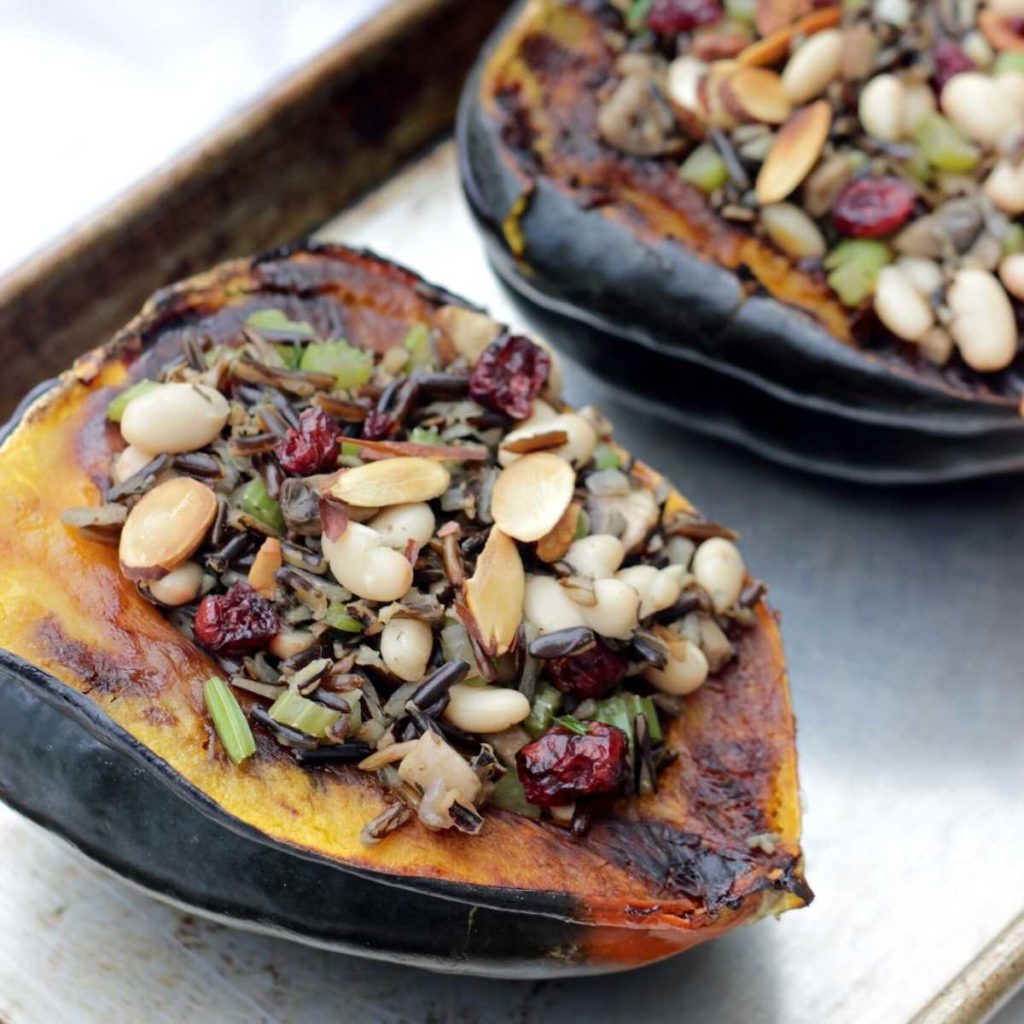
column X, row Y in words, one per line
column 361, row 563
column 683, row 83
column 179, row 586
column 175, row 418
column 597, row 556
column 1011, row 273
column 617, row 610
column 918, row 103
column 926, row 275
column 718, row 567
column 290, row 642
column 792, row 230
column 405, row 646
column 548, row 606
column 578, row 448
column 983, row 324
column 685, row 671
column 813, row 66
column 1005, row 187
column 485, row 709
column 658, row 588
column 900, row 306
column 400, row 524
column 976, row 104
column 129, row 462
column 880, row 107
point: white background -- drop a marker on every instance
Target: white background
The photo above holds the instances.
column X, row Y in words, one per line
column 94, row 94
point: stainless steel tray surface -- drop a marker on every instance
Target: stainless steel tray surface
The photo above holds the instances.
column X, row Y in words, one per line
column 906, row 641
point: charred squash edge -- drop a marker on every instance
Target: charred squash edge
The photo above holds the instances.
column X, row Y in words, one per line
column 666, row 932
column 584, row 266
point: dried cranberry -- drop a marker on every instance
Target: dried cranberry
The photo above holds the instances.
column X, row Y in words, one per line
column 563, row 765
column 950, row 60
column 673, row 16
column 590, row 673
column 509, row 374
column 872, row 207
column 310, row 449
column 237, row 622
column 379, row 425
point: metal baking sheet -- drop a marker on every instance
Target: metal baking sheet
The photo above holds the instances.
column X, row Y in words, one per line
column 902, row 629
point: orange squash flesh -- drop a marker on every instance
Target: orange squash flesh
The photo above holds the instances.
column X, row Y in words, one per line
column 676, row 866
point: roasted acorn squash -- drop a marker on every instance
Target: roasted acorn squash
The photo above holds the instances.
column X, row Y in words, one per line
column 108, row 743
column 624, row 264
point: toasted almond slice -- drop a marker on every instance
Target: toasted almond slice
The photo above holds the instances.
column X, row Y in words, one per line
column 398, row 481
column 711, row 94
column 165, row 527
column 494, row 593
column 538, row 442
column 999, row 31
column 553, row 546
column 775, row 47
column 264, row 566
column 756, row 94
column 531, row 495
column 794, row 152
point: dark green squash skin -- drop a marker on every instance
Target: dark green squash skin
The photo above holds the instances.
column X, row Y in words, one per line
column 71, row 770
column 597, row 286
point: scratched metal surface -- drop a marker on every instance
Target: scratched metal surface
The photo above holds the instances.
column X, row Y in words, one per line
column 905, row 648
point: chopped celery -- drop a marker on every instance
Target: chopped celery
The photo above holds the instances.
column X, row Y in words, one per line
column 337, row 617
column 351, row 366
column 606, row 457
column 508, row 794
column 705, row 168
column 425, row 435
column 854, row 266
column 546, row 705
column 417, row 344
column 1013, row 240
column 1009, row 60
column 572, row 724
column 636, row 16
column 273, row 322
column 350, row 448
column 291, row 355
column 582, row 526
column 740, row 10
column 228, row 720
column 650, row 712
column 616, row 711
column 118, row 404
column 303, row 714
column 212, row 355
column 254, row 499
column 944, row 147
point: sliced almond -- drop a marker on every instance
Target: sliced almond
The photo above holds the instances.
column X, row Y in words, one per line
column 756, row 94
column 531, row 495
column 539, row 442
column 794, row 152
column 494, row 593
column 397, row 481
column 775, row 47
column 469, row 331
column 262, row 574
column 553, row 546
column 711, row 95
column 165, row 527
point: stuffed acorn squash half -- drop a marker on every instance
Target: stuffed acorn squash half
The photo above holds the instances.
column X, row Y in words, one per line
column 321, row 612
column 820, row 203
